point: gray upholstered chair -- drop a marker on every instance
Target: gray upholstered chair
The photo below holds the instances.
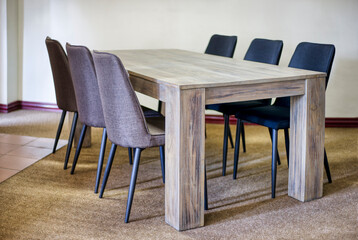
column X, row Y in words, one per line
column 88, row 101
column 65, row 94
column 124, row 118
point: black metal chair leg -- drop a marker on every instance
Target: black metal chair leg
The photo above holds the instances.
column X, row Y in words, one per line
column 226, row 125
column 100, row 159
column 274, row 163
column 205, row 132
column 326, row 167
column 287, row 143
column 278, row 156
column 70, row 139
column 243, row 136
column 79, row 147
column 134, row 149
column 206, row 206
column 159, row 106
column 130, row 156
column 237, row 147
column 162, row 161
column 132, row 183
column 59, row 129
column 230, row 136
column 108, row 168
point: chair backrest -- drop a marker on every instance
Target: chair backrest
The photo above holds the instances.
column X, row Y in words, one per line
column 86, row 87
column 221, row 45
column 311, row 56
column 65, row 94
column 264, row 51
column 125, row 122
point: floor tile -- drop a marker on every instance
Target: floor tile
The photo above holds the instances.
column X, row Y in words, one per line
column 15, row 139
column 30, row 152
column 6, row 173
column 19, row 152
column 46, row 143
column 5, row 147
column 15, row 162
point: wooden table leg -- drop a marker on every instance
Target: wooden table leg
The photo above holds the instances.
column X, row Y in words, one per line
column 184, row 164
column 307, row 142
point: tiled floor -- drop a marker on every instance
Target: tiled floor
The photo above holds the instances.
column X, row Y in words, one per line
column 19, row 152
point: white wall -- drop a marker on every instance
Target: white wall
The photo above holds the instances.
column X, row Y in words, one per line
column 3, row 52
column 8, row 51
column 12, row 50
column 188, row 24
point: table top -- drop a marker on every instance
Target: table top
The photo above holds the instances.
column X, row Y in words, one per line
column 185, row 69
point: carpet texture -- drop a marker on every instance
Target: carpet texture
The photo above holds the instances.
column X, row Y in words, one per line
column 46, row 202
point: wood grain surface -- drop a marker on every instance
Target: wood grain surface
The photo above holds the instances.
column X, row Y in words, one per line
column 185, row 150
column 307, row 142
column 186, row 81
column 196, row 70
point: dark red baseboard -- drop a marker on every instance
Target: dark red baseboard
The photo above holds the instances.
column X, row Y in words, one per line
column 218, row 119
column 342, row 122
column 6, row 108
column 40, row 106
column 330, row 122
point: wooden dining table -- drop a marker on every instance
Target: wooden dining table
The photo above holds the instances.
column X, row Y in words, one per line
column 187, row 81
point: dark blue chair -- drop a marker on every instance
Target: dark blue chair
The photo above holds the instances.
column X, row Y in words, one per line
column 309, row 56
column 221, row 45
column 260, row 50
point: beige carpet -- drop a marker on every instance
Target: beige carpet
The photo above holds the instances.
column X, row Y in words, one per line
column 46, row 202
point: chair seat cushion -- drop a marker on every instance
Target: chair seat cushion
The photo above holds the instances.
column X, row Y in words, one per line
column 275, row 117
column 233, row 108
column 156, row 127
column 150, row 113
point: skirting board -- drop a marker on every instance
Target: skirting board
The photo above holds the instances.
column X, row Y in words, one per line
column 330, row 122
column 6, row 108
column 217, row 119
